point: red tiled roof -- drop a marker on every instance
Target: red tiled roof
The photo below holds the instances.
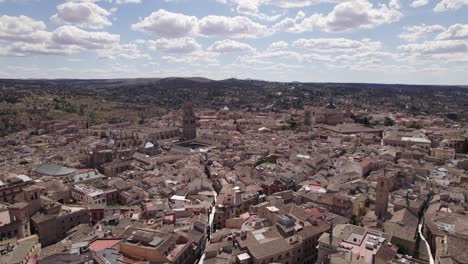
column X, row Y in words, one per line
column 101, row 244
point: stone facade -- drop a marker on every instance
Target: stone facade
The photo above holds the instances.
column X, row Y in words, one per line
column 381, row 200
column 189, row 122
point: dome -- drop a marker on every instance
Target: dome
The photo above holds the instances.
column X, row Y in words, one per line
column 331, row 105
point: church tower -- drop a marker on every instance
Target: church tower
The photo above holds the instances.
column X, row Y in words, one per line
column 307, row 117
column 381, row 197
column 189, row 125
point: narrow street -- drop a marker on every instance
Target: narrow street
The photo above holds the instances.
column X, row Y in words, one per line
column 210, row 221
column 429, row 253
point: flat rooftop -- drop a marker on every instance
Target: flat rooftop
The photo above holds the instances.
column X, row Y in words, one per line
column 365, row 245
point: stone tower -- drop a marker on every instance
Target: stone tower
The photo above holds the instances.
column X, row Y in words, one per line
column 307, row 117
column 189, row 125
column 381, row 197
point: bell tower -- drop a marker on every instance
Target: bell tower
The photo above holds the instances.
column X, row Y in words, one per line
column 381, row 197
column 307, row 117
column 189, row 123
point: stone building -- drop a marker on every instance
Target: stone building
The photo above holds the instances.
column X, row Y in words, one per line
column 14, row 221
column 286, row 241
column 328, row 115
column 158, row 247
column 22, row 251
column 13, row 187
column 381, row 200
column 54, row 170
column 230, row 204
column 125, row 139
column 366, row 245
column 88, row 195
column 307, row 117
column 443, row 153
column 189, row 122
column 54, row 221
column 405, row 139
column 164, row 133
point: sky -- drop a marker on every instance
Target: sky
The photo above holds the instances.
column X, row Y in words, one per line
column 372, row 41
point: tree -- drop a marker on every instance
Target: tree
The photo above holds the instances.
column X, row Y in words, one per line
column 365, row 121
column 265, row 160
column 465, row 146
column 401, row 249
column 452, row 116
column 388, row 121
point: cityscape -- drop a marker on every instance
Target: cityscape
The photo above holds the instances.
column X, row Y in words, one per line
column 183, row 131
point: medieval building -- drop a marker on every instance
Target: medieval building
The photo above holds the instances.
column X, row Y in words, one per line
column 189, row 122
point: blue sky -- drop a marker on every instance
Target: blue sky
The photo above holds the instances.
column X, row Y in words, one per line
column 382, row 41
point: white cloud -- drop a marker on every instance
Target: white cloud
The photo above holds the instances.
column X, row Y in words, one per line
column 128, row 1
column 413, row 33
column 200, row 58
column 419, row 3
column 359, row 14
column 445, row 5
column 278, row 45
column 179, row 45
column 345, row 16
column 124, row 51
column 27, row 37
column 175, row 25
column 255, row 4
column 225, row 46
column 233, row 27
column 65, row 40
column 277, row 54
column 167, row 24
column 30, row 49
column 84, row 14
column 22, row 28
column 250, row 8
column 362, row 59
column 338, row 45
column 71, row 35
column 435, row 47
column 297, row 3
column 457, row 31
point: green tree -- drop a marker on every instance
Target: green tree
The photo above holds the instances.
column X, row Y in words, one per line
column 265, row 160
column 401, row 249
